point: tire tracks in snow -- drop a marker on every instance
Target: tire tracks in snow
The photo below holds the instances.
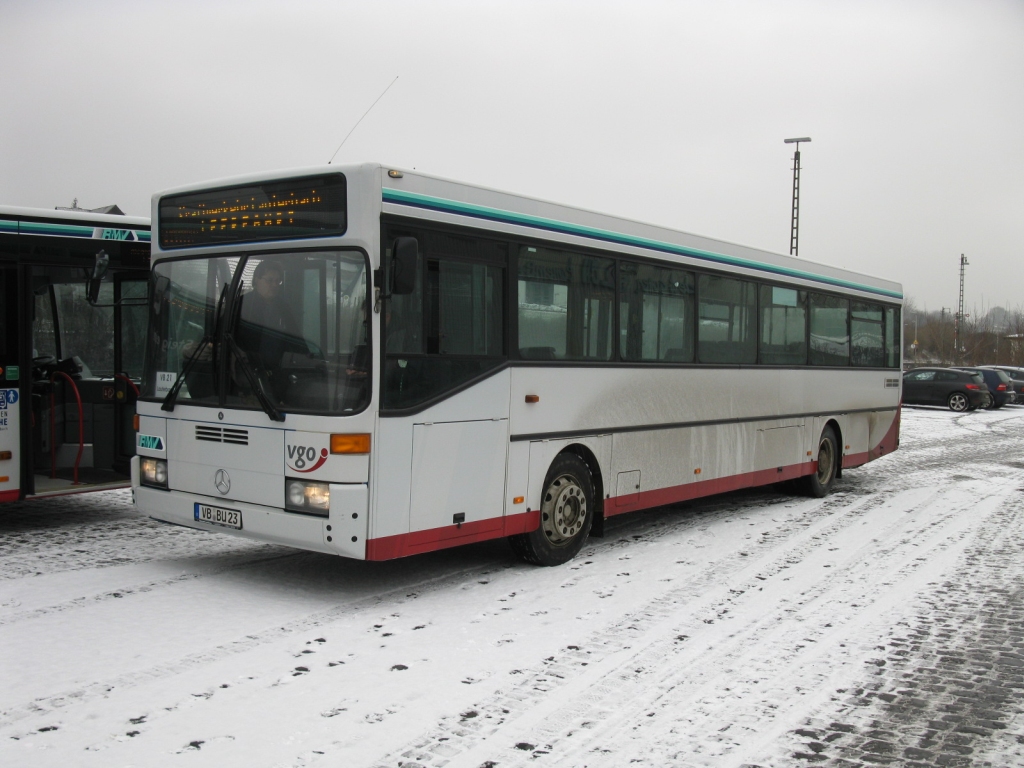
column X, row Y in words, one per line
column 138, row 588
column 412, row 589
column 763, row 698
column 644, row 661
column 660, row 525
column 562, row 669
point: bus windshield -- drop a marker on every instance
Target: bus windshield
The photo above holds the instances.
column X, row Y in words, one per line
column 282, row 332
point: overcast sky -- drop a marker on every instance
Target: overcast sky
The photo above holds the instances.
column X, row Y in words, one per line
column 668, row 112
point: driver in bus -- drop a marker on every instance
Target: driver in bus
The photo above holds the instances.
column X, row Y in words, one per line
column 267, row 329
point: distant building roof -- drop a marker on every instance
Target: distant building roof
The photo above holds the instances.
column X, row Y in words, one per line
column 112, row 210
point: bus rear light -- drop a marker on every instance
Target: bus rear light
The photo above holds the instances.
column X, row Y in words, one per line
column 350, row 443
column 153, row 472
column 135, row 422
column 308, row 497
column 6, row 455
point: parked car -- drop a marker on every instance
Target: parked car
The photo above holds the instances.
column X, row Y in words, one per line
column 1016, row 379
column 999, row 384
column 958, row 390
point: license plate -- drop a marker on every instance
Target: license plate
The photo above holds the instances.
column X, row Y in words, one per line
column 229, row 518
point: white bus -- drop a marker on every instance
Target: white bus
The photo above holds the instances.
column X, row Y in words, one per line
column 375, row 363
column 72, row 342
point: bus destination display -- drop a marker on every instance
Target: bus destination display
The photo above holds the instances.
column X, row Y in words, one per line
column 275, row 210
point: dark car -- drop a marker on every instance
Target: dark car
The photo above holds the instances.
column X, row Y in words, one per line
column 999, row 384
column 1016, row 379
column 958, row 390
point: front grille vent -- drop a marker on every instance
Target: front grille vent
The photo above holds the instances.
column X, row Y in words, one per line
column 222, row 435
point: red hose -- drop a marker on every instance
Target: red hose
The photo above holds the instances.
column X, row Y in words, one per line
column 53, row 426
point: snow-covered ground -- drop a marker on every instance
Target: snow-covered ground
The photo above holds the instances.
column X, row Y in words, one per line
column 751, row 629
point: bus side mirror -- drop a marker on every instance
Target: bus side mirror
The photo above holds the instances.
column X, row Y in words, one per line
column 99, row 269
column 404, row 263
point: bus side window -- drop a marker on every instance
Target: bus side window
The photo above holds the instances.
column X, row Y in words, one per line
column 783, row 326
column 451, row 328
column 728, row 321
column 867, row 335
column 655, row 313
column 830, row 330
column 565, row 302
column 892, row 337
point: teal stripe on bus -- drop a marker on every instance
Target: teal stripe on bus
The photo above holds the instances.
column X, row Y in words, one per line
column 414, row 199
column 72, row 230
column 62, row 230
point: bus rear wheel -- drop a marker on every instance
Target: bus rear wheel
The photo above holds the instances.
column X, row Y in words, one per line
column 566, row 514
column 820, row 483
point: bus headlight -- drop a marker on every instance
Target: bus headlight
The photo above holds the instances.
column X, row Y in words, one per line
column 153, row 472
column 309, row 497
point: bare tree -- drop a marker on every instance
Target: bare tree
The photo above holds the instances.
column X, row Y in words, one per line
column 1014, row 338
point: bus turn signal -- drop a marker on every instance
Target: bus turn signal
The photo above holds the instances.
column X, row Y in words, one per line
column 350, row 443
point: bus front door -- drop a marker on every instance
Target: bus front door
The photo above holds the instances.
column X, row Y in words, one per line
column 86, row 360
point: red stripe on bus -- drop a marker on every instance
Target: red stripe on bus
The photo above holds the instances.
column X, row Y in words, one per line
column 674, row 494
column 417, row 542
column 9, row 495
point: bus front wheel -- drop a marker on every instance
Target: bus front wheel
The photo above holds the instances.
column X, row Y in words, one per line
column 820, row 483
column 566, row 514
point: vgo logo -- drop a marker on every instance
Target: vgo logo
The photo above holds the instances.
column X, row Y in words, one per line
column 304, row 458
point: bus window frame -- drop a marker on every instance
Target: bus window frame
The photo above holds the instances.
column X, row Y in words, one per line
column 513, row 358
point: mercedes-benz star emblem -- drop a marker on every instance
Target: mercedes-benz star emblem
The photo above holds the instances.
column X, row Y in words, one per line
column 223, row 481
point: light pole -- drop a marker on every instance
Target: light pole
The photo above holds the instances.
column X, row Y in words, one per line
column 958, row 319
column 794, row 229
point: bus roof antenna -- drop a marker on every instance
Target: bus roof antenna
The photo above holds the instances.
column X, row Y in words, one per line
column 361, row 120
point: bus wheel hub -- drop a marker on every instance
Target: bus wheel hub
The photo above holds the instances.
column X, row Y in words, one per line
column 564, row 510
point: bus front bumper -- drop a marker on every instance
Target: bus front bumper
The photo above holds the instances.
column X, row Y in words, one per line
column 343, row 532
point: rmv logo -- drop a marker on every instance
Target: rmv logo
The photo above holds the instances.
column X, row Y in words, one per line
column 116, row 234
column 299, row 456
column 151, row 442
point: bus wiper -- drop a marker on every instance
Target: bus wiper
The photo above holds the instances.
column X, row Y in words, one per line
column 172, row 394
column 254, row 380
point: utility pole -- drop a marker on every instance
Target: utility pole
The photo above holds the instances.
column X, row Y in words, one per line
column 959, row 319
column 794, row 227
